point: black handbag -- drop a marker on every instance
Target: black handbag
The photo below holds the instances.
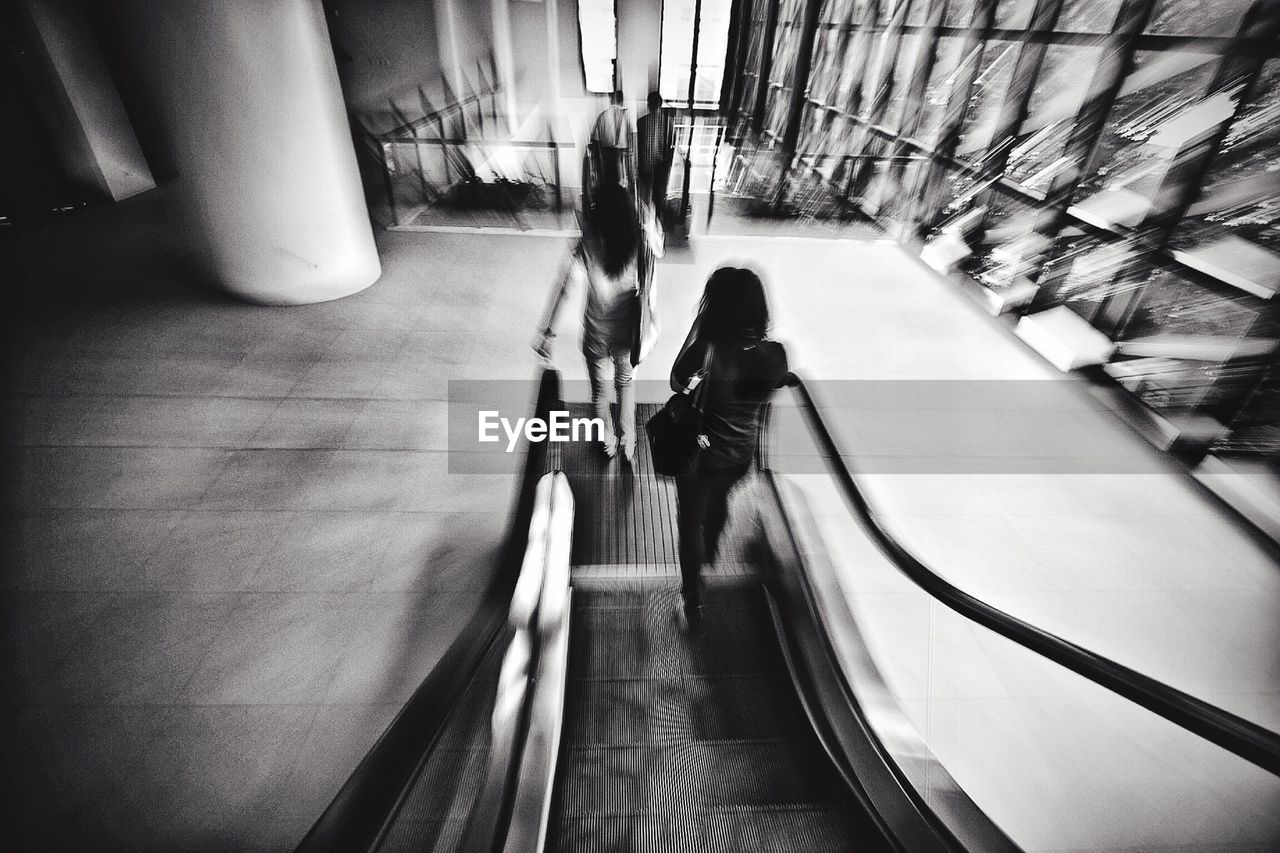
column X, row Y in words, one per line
column 673, row 432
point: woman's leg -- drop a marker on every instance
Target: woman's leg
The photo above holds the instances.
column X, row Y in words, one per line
column 719, row 484
column 597, row 355
column 691, row 505
column 622, row 376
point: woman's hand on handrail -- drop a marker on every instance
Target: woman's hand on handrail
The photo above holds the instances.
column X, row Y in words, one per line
column 542, row 344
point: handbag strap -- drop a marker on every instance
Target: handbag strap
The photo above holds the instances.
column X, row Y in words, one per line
column 700, row 391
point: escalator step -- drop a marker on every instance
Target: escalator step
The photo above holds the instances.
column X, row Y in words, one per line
column 621, row 712
column 628, row 642
column 741, row 590
column 694, row 775
column 766, row 830
column 651, row 643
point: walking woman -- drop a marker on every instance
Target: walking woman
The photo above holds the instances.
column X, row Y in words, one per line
column 607, row 258
column 742, row 368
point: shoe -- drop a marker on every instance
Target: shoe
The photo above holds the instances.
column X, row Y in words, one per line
column 610, row 446
column 629, row 449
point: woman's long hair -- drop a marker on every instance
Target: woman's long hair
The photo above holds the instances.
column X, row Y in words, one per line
column 734, row 308
column 615, row 227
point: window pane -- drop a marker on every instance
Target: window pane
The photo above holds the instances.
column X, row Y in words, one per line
column 908, row 56
column 1233, row 228
column 986, row 98
column 919, row 11
column 959, row 13
column 713, row 44
column 1088, row 16
column 1174, row 305
column 941, row 81
column 677, row 45
column 1055, row 100
column 1012, row 248
column 878, row 71
column 824, row 75
column 834, row 11
column 1197, row 17
column 599, row 34
column 1164, row 86
column 1091, row 273
column 1014, row 14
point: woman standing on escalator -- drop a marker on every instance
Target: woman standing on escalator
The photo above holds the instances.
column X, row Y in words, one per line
column 728, row 349
column 607, row 259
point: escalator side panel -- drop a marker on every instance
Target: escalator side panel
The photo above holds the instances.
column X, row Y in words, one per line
column 879, row 775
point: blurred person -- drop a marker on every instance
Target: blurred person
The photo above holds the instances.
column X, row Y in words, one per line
column 655, row 153
column 610, row 159
column 728, row 348
column 607, row 259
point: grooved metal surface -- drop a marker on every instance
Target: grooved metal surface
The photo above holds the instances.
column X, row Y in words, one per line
column 626, row 512
column 686, row 741
column 432, row 816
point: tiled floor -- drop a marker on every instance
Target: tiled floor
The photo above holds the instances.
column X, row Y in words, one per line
column 234, row 547
column 237, row 547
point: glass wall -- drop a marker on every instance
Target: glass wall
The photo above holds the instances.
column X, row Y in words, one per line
column 1118, row 157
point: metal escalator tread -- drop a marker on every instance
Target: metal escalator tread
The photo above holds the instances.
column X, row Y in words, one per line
column 432, row 816
column 632, row 518
column 767, row 830
column 687, row 742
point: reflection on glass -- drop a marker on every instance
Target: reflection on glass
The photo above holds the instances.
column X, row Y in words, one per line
column 1197, row 17
column 1088, row 16
column 904, row 67
column 1037, row 157
column 1092, row 274
column 835, row 11
column 1255, row 426
column 756, row 50
column 986, row 98
column 1232, row 230
column 1011, row 251
column 1014, row 14
column 942, row 80
column 1175, row 305
column 1164, row 85
column 959, row 13
column 879, row 70
column 824, row 74
column 782, row 73
column 918, row 13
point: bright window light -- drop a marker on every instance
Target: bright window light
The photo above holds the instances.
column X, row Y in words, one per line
column 599, row 31
column 677, row 50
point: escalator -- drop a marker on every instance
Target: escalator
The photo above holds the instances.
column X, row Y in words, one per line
column 678, row 742
column 590, row 716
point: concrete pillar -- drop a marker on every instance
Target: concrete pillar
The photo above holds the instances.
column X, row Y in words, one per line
column 250, row 104
column 94, row 139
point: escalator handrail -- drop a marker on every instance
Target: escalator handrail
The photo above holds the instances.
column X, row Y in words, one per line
column 1229, row 731
column 357, row 816
column 542, row 585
